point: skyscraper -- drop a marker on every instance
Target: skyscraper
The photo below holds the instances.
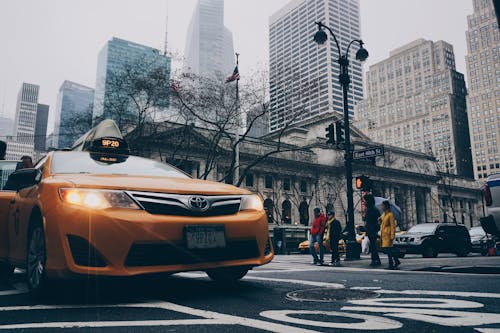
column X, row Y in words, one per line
column 25, row 121
column 42, row 116
column 209, row 46
column 415, row 99
column 73, row 101
column 303, row 76
column 116, row 56
column 23, row 139
column 483, row 69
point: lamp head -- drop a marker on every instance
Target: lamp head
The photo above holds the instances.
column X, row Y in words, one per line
column 362, row 53
column 320, row 36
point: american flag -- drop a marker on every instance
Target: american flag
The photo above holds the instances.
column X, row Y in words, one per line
column 234, row 76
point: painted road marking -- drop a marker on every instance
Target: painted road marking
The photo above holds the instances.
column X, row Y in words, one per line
column 209, row 318
column 368, row 322
column 435, row 303
column 438, row 317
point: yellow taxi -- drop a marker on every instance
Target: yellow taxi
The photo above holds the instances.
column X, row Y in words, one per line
column 98, row 211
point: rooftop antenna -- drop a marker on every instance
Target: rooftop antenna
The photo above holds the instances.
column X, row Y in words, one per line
column 165, row 45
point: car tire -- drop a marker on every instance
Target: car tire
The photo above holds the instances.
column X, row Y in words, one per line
column 429, row 252
column 6, row 271
column 227, row 274
column 36, row 258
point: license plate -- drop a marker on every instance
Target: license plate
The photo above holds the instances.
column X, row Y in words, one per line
column 205, row 237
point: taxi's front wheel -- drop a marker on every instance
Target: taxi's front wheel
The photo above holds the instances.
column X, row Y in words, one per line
column 36, row 275
column 227, row 274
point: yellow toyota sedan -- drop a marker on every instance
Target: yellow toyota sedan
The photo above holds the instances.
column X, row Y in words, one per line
column 99, row 211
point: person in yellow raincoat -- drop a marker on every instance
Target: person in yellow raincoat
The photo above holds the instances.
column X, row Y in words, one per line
column 388, row 233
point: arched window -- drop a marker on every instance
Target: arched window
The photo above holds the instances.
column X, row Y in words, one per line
column 286, row 212
column 269, row 208
column 304, row 213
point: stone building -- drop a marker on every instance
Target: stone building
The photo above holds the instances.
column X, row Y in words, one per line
column 303, row 172
column 483, row 69
column 415, row 99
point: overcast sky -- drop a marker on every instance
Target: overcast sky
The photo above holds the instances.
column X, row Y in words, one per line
column 48, row 41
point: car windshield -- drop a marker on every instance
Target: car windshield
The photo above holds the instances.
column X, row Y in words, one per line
column 422, row 228
column 477, row 231
column 84, row 162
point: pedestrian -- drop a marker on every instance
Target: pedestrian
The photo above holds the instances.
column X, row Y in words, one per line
column 27, row 162
column 317, row 231
column 387, row 234
column 372, row 228
column 334, row 230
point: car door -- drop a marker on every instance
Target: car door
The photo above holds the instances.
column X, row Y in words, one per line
column 443, row 238
column 20, row 210
column 6, row 198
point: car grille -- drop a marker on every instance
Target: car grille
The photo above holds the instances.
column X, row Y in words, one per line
column 179, row 205
column 141, row 254
column 85, row 254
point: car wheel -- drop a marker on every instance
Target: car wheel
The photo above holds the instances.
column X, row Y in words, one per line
column 429, row 252
column 36, row 275
column 227, row 274
column 6, row 271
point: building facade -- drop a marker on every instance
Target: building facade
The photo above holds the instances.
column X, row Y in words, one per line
column 74, row 100
column 42, row 116
column 115, row 57
column 483, row 70
column 23, row 139
column 303, row 76
column 305, row 172
column 209, row 46
column 25, row 121
column 416, row 100
column 6, row 127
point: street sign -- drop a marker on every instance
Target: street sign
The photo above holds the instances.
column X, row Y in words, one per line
column 366, row 153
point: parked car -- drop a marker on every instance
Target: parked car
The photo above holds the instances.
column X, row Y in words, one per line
column 430, row 239
column 304, row 246
column 491, row 196
column 480, row 240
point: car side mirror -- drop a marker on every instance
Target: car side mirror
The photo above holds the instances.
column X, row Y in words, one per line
column 22, row 178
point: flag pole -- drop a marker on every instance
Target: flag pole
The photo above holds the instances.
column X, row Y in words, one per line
column 237, row 148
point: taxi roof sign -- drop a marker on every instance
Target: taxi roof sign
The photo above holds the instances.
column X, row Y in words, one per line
column 105, row 137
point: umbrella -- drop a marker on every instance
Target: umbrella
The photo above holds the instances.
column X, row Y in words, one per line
column 394, row 208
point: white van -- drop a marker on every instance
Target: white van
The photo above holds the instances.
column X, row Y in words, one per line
column 491, row 195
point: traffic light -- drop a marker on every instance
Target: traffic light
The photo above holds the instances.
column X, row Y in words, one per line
column 363, row 183
column 330, row 138
column 339, row 131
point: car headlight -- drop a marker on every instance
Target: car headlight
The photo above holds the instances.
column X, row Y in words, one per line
column 97, row 199
column 251, row 202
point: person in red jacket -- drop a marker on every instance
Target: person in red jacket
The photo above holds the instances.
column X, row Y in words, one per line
column 317, row 231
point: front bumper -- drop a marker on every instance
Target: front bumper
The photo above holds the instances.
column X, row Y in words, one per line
column 415, row 248
column 125, row 242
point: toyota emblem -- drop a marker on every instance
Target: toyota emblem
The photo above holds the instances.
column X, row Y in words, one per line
column 198, row 203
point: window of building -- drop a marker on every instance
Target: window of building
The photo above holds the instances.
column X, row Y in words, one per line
column 303, row 186
column 269, row 181
column 286, row 184
column 249, row 180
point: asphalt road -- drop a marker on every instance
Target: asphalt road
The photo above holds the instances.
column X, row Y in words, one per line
column 288, row 295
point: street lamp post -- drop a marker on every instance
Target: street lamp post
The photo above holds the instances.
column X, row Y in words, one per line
column 352, row 248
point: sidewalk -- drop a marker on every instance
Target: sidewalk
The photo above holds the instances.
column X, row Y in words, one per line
column 449, row 263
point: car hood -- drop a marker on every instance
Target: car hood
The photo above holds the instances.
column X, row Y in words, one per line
column 147, row 184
